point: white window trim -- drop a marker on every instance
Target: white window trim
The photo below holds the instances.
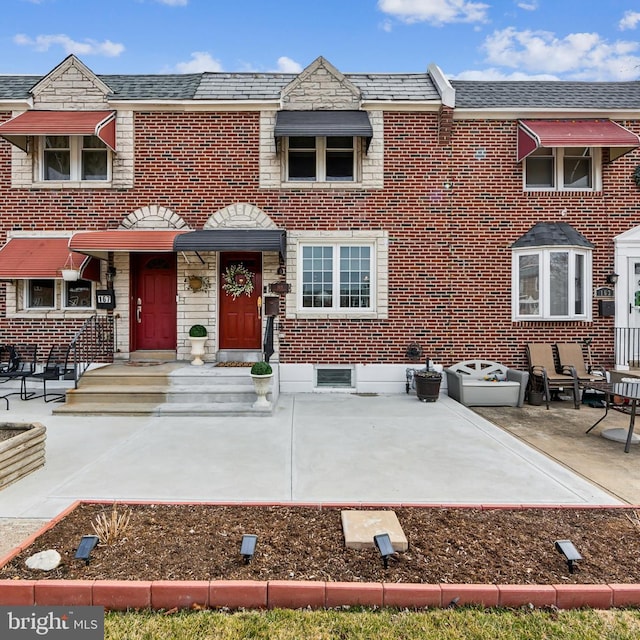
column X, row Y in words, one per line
column 558, row 165
column 544, row 254
column 321, row 162
column 25, row 294
column 336, row 278
column 63, row 295
column 75, row 144
column 379, row 239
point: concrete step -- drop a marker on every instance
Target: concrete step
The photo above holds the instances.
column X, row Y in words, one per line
column 221, row 409
column 167, row 388
column 112, row 395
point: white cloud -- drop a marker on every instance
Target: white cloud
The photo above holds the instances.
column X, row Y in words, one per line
column 496, row 74
column 435, row 12
column 200, row 61
column 85, row 48
column 630, row 20
column 532, row 5
column 287, row 65
column 174, row 3
column 577, row 56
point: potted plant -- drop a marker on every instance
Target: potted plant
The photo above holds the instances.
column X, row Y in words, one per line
column 261, row 373
column 535, row 393
column 198, row 337
column 427, row 384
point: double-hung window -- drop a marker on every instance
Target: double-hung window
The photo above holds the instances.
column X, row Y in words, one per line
column 40, row 294
column 336, row 277
column 74, row 158
column 552, row 284
column 563, row 169
column 321, row 158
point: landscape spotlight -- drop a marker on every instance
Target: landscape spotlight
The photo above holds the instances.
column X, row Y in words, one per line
column 383, row 543
column 86, row 546
column 248, row 547
column 568, row 550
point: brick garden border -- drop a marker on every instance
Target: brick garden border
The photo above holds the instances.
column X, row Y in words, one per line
column 291, row 594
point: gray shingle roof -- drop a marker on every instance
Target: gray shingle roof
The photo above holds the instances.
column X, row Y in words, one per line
column 546, row 234
column 471, row 94
column 153, row 87
column 16, row 87
column 235, row 86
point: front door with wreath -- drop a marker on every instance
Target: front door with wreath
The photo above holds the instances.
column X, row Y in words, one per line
column 240, row 299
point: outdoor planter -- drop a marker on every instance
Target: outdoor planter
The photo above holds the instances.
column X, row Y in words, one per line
column 427, row 385
column 21, row 450
column 198, row 339
column 261, row 374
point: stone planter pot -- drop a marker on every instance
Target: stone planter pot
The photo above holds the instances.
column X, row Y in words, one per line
column 427, row 387
column 197, row 350
column 22, row 451
column 261, row 384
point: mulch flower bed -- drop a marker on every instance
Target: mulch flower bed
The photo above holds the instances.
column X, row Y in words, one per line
column 446, row 545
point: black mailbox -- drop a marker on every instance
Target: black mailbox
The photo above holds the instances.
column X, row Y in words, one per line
column 271, row 306
column 105, row 299
column 607, row 308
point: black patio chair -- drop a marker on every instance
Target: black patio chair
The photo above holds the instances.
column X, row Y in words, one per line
column 57, row 367
column 17, row 362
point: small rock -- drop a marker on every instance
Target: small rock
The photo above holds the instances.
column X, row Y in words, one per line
column 45, row 560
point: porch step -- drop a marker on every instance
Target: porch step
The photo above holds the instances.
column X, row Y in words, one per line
column 152, row 356
column 167, row 388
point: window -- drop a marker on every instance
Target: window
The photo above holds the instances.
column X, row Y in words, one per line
column 74, row 158
column 78, row 294
column 336, row 277
column 551, row 284
column 562, row 168
column 321, row 159
column 41, row 294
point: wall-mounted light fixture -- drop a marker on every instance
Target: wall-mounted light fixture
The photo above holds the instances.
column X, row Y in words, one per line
column 612, row 278
column 111, row 274
column 86, row 546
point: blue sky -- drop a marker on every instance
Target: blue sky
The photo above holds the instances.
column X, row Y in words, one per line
column 594, row 40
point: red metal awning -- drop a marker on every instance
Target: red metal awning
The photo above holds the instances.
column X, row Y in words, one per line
column 99, row 243
column 533, row 134
column 60, row 123
column 28, row 258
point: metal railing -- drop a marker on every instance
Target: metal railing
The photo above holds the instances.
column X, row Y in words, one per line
column 627, row 347
column 94, row 342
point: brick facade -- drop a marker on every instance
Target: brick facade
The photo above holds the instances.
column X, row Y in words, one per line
column 441, row 197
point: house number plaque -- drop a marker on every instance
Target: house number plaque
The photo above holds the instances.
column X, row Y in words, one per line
column 105, row 299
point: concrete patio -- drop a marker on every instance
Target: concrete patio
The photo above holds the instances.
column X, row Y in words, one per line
column 315, row 448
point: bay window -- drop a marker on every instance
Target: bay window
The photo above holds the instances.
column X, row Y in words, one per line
column 552, row 284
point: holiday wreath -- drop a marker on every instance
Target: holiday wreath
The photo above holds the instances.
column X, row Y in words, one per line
column 237, row 280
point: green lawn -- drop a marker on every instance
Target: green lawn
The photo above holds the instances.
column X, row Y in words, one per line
column 437, row 624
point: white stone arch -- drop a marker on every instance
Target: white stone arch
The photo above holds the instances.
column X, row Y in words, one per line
column 153, row 217
column 240, row 215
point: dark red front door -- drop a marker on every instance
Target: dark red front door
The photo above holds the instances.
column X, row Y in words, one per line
column 240, row 322
column 153, row 304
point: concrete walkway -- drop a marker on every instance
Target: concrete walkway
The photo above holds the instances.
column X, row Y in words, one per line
column 315, row 448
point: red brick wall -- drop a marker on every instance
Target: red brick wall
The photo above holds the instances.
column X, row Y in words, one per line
column 449, row 250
